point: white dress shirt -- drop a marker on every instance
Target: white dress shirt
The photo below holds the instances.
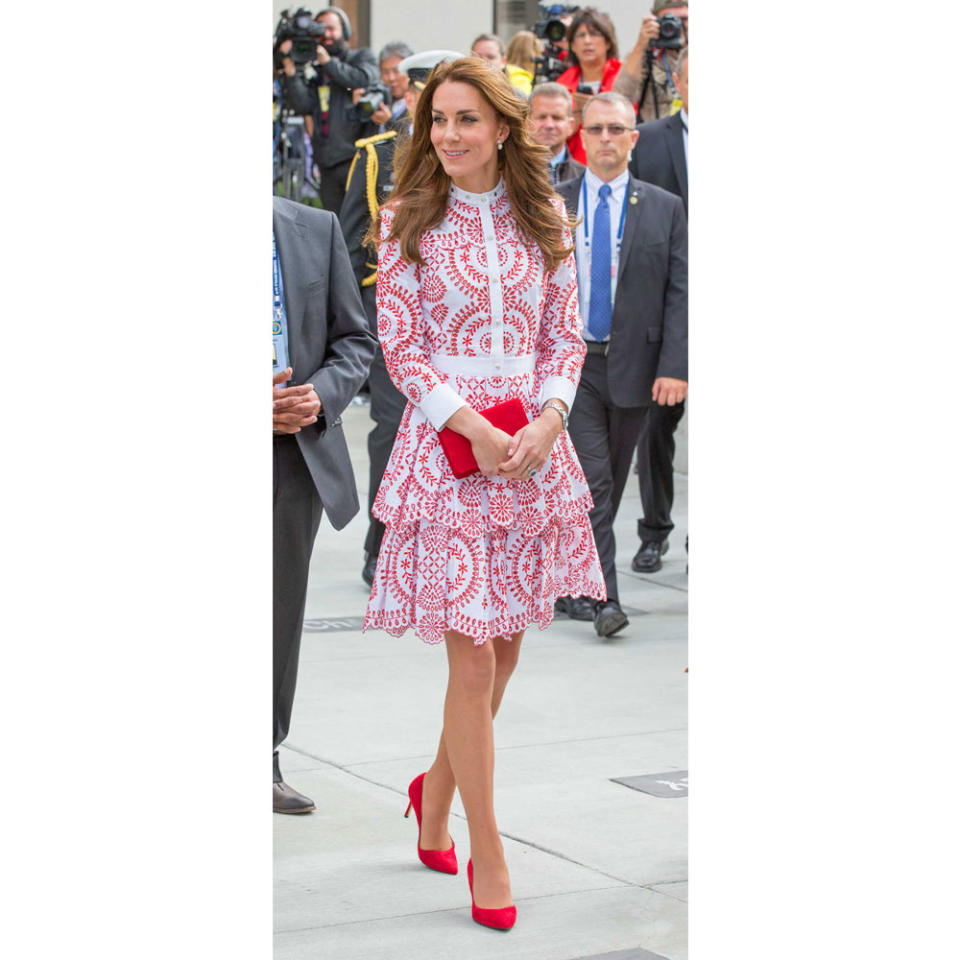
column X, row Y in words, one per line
column 618, row 195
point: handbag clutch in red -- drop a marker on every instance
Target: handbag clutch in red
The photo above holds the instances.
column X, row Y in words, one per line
column 508, row 416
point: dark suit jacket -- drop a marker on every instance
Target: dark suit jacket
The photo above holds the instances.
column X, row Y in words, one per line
column 328, row 339
column 356, row 211
column 569, row 169
column 658, row 156
column 648, row 333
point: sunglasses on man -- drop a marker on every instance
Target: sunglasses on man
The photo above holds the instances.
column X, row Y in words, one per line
column 615, row 129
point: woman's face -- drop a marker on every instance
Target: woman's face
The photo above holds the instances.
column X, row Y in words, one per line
column 464, row 132
column 589, row 46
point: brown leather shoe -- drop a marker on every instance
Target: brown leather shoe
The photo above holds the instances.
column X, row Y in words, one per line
column 287, row 800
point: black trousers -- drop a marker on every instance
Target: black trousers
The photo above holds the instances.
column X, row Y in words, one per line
column 655, row 449
column 387, row 404
column 296, row 518
column 604, row 437
column 333, row 186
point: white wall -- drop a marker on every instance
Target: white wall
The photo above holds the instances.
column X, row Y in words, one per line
column 430, row 24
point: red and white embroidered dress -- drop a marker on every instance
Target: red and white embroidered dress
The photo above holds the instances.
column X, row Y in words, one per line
column 481, row 322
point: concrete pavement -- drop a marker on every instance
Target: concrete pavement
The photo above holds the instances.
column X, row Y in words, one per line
column 597, row 868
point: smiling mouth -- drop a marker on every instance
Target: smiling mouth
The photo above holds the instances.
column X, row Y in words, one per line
column 450, row 155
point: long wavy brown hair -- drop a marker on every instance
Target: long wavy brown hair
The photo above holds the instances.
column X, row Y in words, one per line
column 419, row 197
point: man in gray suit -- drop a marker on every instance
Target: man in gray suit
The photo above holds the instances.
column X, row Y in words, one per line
column 631, row 250
column 322, row 352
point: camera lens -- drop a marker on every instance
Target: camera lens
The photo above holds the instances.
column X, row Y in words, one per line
column 555, row 30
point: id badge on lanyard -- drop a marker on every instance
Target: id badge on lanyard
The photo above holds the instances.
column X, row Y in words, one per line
column 281, row 359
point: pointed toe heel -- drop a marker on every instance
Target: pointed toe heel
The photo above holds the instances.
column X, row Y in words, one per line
column 500, row 918
column 443, row 861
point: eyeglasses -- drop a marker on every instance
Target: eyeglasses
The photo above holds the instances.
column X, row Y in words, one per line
column 615, row 129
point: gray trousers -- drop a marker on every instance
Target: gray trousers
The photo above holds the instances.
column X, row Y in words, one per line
column 296, row 518
column 604, row 437
column 387, row 404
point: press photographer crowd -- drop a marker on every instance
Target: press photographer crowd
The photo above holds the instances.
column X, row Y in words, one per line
column 509, row 223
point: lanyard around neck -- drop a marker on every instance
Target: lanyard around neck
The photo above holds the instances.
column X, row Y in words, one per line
column 586, row 217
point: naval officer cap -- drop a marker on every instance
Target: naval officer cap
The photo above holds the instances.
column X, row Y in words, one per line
column 418, row 66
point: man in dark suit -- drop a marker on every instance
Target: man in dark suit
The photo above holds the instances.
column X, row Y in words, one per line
column 631, row 249
column 660, row 157
column 551, row 124
column 322, row 351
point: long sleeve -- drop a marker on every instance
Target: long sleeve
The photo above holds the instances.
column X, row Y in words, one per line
column 359, row 70
column 400, row 327
column 350, row 346
column 629, row 85
column 673, row 350
column 560, row 348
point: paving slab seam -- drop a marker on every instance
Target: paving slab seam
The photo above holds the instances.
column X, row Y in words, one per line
column 427, row 913
column 516, row 746
column 633, row 575
column 453, row 813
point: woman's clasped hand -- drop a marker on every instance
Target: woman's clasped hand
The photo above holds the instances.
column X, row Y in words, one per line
column 529, row 448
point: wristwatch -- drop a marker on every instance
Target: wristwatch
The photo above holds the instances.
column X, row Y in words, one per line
column 554, row 405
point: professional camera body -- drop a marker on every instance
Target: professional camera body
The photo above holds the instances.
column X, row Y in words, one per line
column 551, row 30
column 305, row 34
column 373, row 98
column 671, row 33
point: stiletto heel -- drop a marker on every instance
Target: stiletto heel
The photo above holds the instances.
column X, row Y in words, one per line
column 444, row 861
column 501, row 918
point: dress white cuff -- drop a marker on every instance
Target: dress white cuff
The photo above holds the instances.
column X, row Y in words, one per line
column 440, row 404
column 559, row 387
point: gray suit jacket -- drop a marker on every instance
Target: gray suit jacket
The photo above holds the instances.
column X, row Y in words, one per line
column 330, row 345
column 648, row 334
column 658, row 156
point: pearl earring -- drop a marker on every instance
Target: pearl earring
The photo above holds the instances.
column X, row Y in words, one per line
column 499, row 144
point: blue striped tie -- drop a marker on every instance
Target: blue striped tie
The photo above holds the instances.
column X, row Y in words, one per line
column 600, row 307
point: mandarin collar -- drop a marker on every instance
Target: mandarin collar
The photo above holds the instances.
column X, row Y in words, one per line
column 478, row 199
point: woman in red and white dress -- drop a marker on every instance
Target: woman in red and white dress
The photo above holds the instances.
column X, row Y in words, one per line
column 477, row 304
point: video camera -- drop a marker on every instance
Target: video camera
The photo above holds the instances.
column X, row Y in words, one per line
column 550, row 29
column 671, row 33
column 373, row 98
column 305, row 34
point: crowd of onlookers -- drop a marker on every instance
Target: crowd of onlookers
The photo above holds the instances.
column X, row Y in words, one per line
column 326, row 89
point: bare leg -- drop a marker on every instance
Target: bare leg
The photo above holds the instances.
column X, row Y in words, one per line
column 468, row 739
column 438, row 796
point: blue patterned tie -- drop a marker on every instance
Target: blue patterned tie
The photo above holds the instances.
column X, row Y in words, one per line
column 600, row 307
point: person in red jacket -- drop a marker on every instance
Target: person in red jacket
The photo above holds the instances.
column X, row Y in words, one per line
column 594, row 66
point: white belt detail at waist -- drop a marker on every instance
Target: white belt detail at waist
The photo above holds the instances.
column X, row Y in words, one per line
column 457, row 366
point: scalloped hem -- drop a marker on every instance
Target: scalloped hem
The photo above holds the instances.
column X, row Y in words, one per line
column 432, row 579
column 432, row 632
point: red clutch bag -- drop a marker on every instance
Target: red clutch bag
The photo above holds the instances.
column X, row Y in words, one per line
column 508, row 416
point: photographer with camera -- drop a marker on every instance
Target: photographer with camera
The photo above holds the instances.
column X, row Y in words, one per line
column 384, row 103
column 551, row 30
column 647, row 75
column 593, row 66
column 327, row 97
